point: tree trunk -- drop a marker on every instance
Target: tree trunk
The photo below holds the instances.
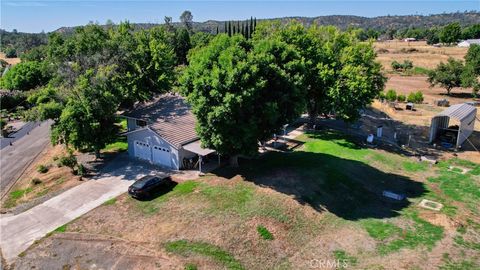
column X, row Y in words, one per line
column 312, row 114
column 448, row 91
column 97, row 154
column 234, row 161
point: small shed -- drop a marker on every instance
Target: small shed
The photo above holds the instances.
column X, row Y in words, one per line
column 453, row 132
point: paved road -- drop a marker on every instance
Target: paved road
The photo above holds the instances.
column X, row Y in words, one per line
column 20, row 231
column 24, row 129
column 15, row 158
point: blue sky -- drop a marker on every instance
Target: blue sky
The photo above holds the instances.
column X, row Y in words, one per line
column 48, row 15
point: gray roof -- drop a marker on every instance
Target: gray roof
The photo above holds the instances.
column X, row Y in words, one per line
column 472, row 41
column 459, row 111
column 169, row 116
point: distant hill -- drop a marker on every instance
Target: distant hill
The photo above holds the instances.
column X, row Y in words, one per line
column 25, row 41
column 345, row 21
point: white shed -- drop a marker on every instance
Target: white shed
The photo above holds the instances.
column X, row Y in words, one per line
column 458, row 130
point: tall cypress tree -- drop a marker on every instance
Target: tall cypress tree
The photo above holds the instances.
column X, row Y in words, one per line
column 254, row 24
column 225, row 29
column 243, row 30
column 234, row 30
column 217, row 29
column 251, row 26
column 229, row 28
column 247, row 34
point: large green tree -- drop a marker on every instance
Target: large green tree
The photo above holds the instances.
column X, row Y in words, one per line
column 25, row 76
column 447, row 75
column 99, row 71
column 341, row 74
column 243, row 92
column 88, row 119
column 471, row 73
column 451, row 33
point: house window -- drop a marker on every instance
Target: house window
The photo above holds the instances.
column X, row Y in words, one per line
column 141, row 123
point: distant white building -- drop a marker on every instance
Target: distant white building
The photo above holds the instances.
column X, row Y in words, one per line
column 466, row 43
column 410, row 39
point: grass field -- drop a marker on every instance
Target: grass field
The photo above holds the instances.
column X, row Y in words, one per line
column 289, row 210
column 421, row 54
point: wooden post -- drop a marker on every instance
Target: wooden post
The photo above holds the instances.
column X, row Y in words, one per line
column 200, row 163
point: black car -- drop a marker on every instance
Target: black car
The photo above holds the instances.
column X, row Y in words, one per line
column 148, row 185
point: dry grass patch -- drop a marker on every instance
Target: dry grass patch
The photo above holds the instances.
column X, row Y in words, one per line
column 42, row 177
column 421, row 54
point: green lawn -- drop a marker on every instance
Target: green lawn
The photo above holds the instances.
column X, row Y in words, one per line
column 187, row 248
column 330, row 187
column 120, row 144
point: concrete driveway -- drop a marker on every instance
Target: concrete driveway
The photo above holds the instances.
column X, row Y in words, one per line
column 20, row 231
column 26, row 147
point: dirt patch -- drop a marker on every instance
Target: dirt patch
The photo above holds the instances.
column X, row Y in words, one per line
column 10, row 61
column 88, row 251
column 34, row 184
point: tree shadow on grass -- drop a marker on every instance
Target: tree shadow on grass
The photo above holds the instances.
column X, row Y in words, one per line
column 347, row 188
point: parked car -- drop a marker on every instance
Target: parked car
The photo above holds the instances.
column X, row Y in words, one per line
column 148, row 185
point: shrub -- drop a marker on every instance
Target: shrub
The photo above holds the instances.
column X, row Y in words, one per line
column 396, row 65
column 406, row 65
column 419, row 97
column 391, row 95
column 36, row 181
column 70, row 161
column 264, row 233
column 415, row 97
column 381, row 96
column 81, row 170
column 401, row 98
column 42, row 168
column 11, row 53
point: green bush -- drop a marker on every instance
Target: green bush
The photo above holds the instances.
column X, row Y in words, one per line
column 11, row 53
column 25, row 76
column 36, row 181
column 406, row 65
column 401, row 98
column 396, row 65
column 70, row 161
column 415, row 97
column 381, row 96
column 391, row 95
column 81, row 170
column 42, row 168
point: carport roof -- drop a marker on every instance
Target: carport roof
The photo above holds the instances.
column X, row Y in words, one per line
column 196, row 147
column 458, row 111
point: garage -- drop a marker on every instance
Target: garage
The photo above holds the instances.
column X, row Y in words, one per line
column 161, row 156
column 142, row 150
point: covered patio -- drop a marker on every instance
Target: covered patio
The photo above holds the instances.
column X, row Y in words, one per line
column 207, row 158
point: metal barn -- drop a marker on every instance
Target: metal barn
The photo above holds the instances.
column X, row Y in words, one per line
column 454, row 125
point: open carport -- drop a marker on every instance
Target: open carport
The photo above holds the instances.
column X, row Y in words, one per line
column 454, row 125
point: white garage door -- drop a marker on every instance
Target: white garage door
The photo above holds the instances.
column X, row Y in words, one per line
column 161, row 156
column 142, row 150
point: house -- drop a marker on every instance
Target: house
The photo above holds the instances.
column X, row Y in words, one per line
column 162, row 132
column 410, row 39
column 466, row 43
